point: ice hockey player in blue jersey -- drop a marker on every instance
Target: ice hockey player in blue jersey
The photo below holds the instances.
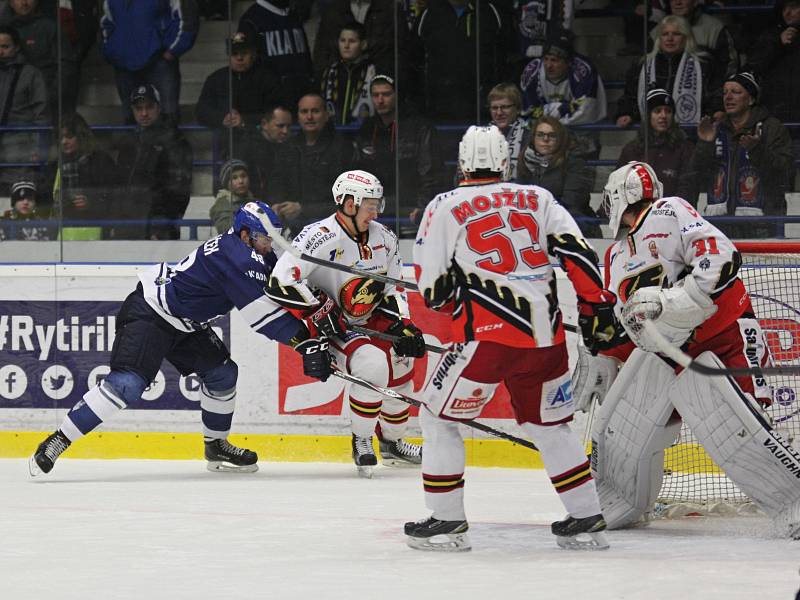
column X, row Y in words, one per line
column 169, row 314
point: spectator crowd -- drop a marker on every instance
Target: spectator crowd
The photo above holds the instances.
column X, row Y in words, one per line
column 385, row 87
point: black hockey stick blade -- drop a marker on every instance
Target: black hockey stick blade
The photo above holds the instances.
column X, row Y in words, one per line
column 474, row 424
column 686, row 361
column 392, row 338
column 287, row 246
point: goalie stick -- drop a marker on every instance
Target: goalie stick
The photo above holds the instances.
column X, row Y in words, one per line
column 417, row 403
column 686, row 361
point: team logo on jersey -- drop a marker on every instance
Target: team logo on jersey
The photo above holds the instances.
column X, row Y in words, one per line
column 653, row 249
column 359, row 296
column 296, row 273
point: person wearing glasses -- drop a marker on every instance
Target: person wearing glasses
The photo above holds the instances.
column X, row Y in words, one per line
column 505, row 108
column 548, row 163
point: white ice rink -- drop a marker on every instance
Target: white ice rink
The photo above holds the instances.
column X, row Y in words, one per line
column 171, row 530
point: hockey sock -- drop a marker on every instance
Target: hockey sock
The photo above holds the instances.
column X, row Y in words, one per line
column 99, row 404
column 217, row 411
column 443, row 467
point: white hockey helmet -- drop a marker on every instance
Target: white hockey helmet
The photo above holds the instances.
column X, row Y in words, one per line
column 358, row 184
column 628, row 185
column 484, row 148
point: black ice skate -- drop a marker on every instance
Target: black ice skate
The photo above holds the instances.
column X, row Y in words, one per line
column 364, row 455
column 224, row 456
column 46, row 454
column 400, row 453
column 581, row 534
column 436, row 535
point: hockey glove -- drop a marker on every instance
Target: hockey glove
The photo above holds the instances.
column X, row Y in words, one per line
column 598, row 324
column 326, row 318
column 592, row 377
column 317, row 361
column 411, row 342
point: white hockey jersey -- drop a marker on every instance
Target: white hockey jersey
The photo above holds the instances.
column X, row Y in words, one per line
column 374, row 251
column 668, row 241
column 486, row 247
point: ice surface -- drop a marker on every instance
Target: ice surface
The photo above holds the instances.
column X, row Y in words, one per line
column 147, row 530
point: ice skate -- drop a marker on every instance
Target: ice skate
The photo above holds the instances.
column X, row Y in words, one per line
column 224, row 456
column 46, row 454
column 364, row 456
column 587, row 533
column 439, row 536
column 400, row 453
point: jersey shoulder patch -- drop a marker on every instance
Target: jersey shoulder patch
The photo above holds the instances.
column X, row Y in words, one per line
column 315, row 237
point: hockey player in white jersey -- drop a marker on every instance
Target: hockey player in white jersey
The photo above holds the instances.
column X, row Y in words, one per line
column 674, row 268
column 483, row 252
column 351, row 236
column 169, row 316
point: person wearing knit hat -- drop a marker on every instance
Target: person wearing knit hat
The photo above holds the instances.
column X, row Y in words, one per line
column 23, row 208
column 235, row 192
column 744, row 160
column 669, row 151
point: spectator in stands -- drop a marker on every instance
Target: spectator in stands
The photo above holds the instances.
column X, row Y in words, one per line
column 710, row 35
column 449, row 31
column 39, row 43
column 775, row 60
column 261, row 151
column 144, row 41
column 378, row 19
column 312, row 160
column 548, row 163
column 673, row 65
column 234, row 97
column 15, row 223
column 535, row 21
column 23, row 101
column 345, row 83
column 412, row 148
column 505, row 108
column 235, row 192
column 156, row 167
column 744, row 160
column 635, row 43
column 81, row 183
column 565, row 85
column 669, row 151
column 282, row 45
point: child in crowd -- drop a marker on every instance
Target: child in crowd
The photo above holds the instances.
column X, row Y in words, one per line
column 23, row 209
column 235, row 192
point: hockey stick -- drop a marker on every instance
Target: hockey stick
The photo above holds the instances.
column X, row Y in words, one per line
column 686, row 361
column 413, row 402
column 287, row 246
column 393, row 338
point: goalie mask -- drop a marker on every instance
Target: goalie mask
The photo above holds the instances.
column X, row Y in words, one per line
column 359, row 185
column 484, row 149
column 628, row 185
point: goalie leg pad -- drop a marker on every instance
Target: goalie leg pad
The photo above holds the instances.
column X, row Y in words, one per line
column 629, row 433
column 731, row 428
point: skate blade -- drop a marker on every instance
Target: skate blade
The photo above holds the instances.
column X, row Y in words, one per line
column 221, row 466
column 584, row 541
column 444, row 542
column 365, row 471
column 33, row 467
column 399, row 462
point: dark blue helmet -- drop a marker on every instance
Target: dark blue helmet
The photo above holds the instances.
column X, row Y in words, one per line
column 245, row 217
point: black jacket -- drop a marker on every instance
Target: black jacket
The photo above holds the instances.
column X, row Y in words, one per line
column 261, row 157
column 155, row 168
column 253, row 91
column 97, row 179
column 778, row 68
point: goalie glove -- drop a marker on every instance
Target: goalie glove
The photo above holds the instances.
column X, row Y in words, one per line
column 598, row 323
column 411, row 342
column 675, row 312
column 592, row 377
column 324, row 319
column 317, row 361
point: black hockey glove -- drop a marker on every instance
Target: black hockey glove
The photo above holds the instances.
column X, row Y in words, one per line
column 411, row 342
column 598, row 325
column 326, row 318
column 317, row 361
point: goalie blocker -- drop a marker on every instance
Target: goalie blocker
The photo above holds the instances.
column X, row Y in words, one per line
column 636, row 422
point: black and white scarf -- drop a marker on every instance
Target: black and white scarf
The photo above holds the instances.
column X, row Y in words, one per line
column 687, row 89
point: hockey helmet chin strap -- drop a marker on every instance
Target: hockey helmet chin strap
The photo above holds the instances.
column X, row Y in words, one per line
column 340, row 208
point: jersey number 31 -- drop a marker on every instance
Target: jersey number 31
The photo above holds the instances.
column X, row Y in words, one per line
column 487, row 236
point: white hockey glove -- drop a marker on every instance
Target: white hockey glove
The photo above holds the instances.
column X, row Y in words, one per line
column 675, row 312
column 592, row 377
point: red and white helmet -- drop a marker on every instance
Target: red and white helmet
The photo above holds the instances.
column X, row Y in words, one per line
column 359, row 185
column 628, row 185
column 484, row 148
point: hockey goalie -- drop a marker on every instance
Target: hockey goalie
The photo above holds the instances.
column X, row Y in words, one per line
column 672, row 267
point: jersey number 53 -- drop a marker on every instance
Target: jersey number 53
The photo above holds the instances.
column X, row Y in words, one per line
column 492, row 235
